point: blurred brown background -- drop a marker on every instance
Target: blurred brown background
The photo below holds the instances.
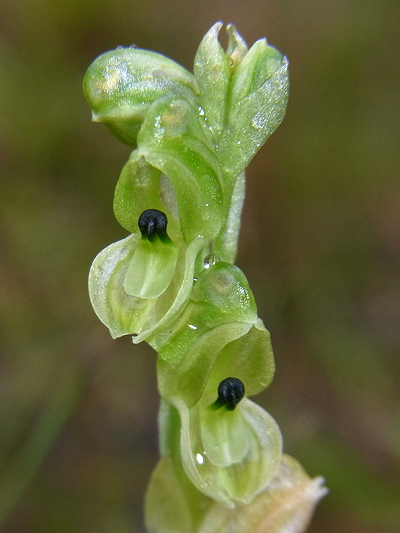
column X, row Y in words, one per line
column 320, row 245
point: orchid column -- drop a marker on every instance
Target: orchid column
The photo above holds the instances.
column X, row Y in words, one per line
column 172, row 281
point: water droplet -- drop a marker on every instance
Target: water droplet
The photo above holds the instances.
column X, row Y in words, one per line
column 132, row 45
column 259, row 121
column 191, row 326
column 120, row 47
column 211, row 260
column 159, row 130
column 199, row 459
column 201, row 111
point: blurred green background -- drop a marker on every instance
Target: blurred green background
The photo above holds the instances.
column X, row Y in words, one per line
column 320, row 244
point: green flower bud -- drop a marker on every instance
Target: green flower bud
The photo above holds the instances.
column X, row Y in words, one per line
column 243, row 95
column 120, row 86
column 213, row 69
column 217, row 335
column 172, row 145
column 137, row 286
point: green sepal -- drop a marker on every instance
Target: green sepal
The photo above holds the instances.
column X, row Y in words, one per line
column 255, row 459
column 286, row 504
column 151, row 268
column 257, row 104
column 125, row 314
column 172, row 143
column 213, row 73
column 217, row 333
column 121, row 85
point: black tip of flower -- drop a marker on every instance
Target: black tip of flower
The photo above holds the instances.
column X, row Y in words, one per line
column 230, row 392
column 153, row 222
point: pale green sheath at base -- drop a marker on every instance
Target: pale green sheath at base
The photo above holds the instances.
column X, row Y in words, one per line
column 172, row 281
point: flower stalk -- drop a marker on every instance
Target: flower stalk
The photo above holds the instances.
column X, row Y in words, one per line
column 173, row 283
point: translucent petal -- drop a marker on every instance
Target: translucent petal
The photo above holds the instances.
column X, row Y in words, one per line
column 138, row 189
column 151, row 268
column 248, row 358
column 223, row 435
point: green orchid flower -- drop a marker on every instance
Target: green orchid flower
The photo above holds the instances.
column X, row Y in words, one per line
column 129, row 291
column 229, row 455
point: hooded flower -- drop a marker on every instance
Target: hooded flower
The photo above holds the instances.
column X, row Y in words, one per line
column 137, row 286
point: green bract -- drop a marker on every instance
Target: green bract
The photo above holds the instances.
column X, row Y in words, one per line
column 172, row 280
